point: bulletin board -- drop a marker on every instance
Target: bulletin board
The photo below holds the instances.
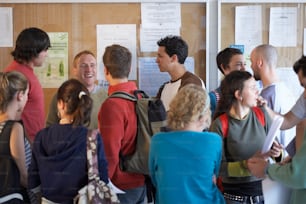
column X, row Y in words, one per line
column 286, row 55
column 80, row 20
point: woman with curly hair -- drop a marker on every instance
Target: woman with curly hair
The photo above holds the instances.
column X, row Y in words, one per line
column 184, row 162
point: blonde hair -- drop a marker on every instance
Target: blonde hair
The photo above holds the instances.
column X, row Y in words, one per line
column 189, row 105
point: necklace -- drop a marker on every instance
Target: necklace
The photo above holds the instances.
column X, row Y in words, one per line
column 65, row 121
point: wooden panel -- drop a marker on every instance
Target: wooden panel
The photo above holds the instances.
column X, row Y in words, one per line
column 80, row 20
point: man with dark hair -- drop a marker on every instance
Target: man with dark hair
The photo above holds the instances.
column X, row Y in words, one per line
column 171, row 56
column 84, row 69
column 228, row 60
column 118, row 124
column 31, row 51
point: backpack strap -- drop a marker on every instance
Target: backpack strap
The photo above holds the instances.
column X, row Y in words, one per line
column 224, row 124
column 123, row 95
column 260, row 115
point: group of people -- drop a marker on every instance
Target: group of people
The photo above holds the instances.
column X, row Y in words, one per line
column 209, row 155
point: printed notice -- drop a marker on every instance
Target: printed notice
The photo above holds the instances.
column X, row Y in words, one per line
column 122, row 34
column 283, row 27
column 55, row 69
column 6, row 27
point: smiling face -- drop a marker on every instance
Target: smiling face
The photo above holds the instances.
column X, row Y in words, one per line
column 86, row 70
column 236, row 63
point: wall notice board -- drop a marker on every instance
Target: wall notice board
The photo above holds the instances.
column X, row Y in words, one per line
column 80, row 20
column 287, row 55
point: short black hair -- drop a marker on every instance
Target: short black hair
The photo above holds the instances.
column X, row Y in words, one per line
column 30, row 42
column 300, row 64
column 174, row 45
column 224, row 57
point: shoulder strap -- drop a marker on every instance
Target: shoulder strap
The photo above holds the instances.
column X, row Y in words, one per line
column 224, row 124
column 260, row 115
column 92, row 160
column 124, row 95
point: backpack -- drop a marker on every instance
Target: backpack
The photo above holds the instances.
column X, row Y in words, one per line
column 224, row 126
column 151, row 119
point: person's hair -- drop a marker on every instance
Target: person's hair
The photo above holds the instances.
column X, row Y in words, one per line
column 11, row 83
column 300, row 64
column 84, row 52
column 224, row 57
column 268, row 52
column 229, row 85
column 30, row 42
column 78, row 101
column 189, row 105
column 117, row 60
column 175, row 45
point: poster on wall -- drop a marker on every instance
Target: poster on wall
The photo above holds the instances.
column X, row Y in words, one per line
column 55, row 69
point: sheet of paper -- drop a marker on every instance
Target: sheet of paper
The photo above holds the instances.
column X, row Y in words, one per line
column 283, row 26
column 290, row 78
column 150, row 78
column 6, row 27
column 55, row 69
column 167, row 15
column 272, row 133
column 248, row 26
column 150, row 36
column 122, row 34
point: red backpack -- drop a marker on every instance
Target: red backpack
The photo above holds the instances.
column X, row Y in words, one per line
column 224, row 124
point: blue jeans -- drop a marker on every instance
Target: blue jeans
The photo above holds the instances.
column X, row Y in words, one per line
column 133, row 196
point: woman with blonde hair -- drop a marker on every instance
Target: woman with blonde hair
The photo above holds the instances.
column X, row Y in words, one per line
column 184, row 162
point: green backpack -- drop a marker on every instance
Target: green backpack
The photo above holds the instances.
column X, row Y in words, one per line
column 151, row 119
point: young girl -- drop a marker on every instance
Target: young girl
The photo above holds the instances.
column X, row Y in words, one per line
column 13, row 144
column 245, row 136
column 59, row 163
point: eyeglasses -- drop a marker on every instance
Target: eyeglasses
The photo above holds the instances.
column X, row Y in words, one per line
column 83, row 65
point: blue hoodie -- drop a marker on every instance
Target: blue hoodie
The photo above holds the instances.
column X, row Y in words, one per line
column 59, row 162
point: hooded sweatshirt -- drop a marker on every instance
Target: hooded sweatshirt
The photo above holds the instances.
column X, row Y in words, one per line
column 59, row 162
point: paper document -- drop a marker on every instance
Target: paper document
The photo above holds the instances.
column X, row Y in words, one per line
column 273, row 132
column 114, row 188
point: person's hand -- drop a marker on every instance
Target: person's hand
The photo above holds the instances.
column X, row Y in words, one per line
column 257, row 166
column 275, row 150
column 261, row 101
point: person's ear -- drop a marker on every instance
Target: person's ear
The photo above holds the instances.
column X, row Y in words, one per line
column 174, row 58
column 224, row 69
column 238, row 95
column 60, row 105
column 20, row 95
